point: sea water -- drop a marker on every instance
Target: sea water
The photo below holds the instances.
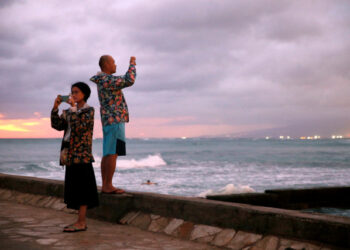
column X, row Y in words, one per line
column 198, row 166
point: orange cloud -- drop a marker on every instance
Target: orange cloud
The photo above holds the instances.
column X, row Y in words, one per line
column 35, row 127
column 31, row 123
column 153, row 127
column 12, row 127
column 25, row 128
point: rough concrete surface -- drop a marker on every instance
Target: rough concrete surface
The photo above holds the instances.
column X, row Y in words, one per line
column 27, row 227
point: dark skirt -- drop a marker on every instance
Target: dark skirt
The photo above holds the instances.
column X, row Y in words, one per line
column 80, row 186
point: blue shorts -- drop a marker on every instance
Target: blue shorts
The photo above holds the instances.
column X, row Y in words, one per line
column 114, row 139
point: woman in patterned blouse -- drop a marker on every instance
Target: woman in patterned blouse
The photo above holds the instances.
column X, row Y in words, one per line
column 80, row 190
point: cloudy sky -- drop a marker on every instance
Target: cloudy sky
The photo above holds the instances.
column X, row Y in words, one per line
column 205, row 68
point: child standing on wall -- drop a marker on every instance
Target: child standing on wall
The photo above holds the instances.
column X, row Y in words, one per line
column 80, row 190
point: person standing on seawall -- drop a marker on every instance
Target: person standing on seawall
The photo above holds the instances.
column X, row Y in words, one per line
column 80, row 190
column 114, row 115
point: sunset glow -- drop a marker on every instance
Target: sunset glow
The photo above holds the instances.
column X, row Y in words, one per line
column 153, row 127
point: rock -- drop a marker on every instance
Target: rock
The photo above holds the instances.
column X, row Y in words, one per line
column 201, row 231
column 142, row 221
column 35, row 199
column 44, row 201
column 173, row 225
column 297, row 245
column 13, row 195
column 129, row 217
column 6, row 194
column 155, row 216
column 157, row 225
column 243, row 239
column 268, row 242
column 224, row 237
column 22, row 198
column 69, row 211
column 58, row 205
column 310, row 246
column 51, row 202
column 184, row 231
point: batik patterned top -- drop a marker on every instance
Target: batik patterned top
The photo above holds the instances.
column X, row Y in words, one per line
column 81, row 123
column 113, row 105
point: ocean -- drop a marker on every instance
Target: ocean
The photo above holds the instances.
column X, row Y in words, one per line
column 197, row 166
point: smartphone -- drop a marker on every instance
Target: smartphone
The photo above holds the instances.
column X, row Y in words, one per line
column 64, row 98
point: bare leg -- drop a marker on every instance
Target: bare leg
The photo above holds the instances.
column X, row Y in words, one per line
column 108, row 165
column 111, row 165
column 103, row 172
column 82, row 217
column 81, row 222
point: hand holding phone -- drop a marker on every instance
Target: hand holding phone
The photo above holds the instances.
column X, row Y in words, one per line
column 57, row 102
column 64, row 98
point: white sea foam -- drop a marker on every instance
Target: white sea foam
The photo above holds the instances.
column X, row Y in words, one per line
column 149, row 161
column 228, row 189
column 54, row 164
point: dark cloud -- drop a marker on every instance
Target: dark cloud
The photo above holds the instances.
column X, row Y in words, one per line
column 267, row 63
column 7, row 3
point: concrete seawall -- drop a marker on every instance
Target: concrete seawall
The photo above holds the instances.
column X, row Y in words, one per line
column 188, row 213
column 293, row 198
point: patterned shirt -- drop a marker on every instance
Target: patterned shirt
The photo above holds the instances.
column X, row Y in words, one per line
column 113, row 105
column 81, row 124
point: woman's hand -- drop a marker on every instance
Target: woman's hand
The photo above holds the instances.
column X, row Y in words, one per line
column 71, row 101
column 57, row 102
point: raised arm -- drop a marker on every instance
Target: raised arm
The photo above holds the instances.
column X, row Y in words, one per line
column 127, row 80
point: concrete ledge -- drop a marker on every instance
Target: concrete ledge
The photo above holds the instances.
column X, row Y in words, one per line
column 112, row 207
column 293, row 198
column 254, row 219
column 32, row 185
column 312, row 197
column 260, row 220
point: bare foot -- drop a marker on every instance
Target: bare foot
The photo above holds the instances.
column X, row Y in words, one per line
column 113, row 191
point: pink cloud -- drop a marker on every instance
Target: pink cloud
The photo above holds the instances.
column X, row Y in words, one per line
column 153, row 127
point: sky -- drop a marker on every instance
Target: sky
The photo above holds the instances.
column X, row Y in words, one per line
column 204, row 68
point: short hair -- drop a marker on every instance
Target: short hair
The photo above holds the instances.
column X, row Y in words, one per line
column 84, row 88
column 103, row 60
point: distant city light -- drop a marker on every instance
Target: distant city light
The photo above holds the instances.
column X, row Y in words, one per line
column 313, row 137
column 337, row 137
